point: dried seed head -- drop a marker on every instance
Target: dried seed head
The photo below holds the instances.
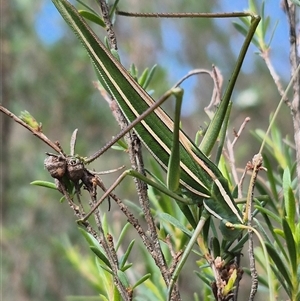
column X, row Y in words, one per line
column 75, row 169
column 56, row 165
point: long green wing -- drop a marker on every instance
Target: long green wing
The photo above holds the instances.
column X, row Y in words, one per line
column 198, row 173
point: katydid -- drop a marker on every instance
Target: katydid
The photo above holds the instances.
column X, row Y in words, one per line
column 197, row 179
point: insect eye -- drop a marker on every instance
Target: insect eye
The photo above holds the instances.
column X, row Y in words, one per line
column 74, row 161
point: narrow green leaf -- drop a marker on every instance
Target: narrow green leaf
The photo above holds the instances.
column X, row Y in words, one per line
column 87, row 7
column 123, row 278
column 120, row 145
column 112, row 11
column 269, row 213
column 279, row 232
column 273, row 232
column 141, row 280
column 230, row 284
column 272, row 182
column 222, row 134
column 46, row 184
column 243, row 30
column 149, row 77
column 104, row 267
column 122, row 235
column 289, row 198
column 143, row 77
column 127, row 253
column 280, row 266
column 126, row 267
column 240, row 28
column 204, row 277
column 297, row 239
column 291, row 245
column 100, row 255
column 115, row 53
column 92, row 17
column 279, row 277
column 215, row 247
column 172, row 220
column 117, row 295
column 133, row 71
column 89, row 238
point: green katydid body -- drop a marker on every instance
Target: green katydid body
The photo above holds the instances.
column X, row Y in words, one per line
column 199, row 178
column 198, row 175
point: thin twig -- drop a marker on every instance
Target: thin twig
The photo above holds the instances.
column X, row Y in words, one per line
column 290, row 9
column 230, row 146
column 111, row 256
column 109, row 28
column 184, row 15
column 38, row 133
column 265, row 55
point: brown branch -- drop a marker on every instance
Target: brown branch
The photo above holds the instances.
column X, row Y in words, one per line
column 290, row 10
column 38, row 133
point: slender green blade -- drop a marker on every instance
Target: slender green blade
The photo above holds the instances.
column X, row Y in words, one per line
column 197, row 172
column 133, row 101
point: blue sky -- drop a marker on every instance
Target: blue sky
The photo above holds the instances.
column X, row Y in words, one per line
column 49, row 27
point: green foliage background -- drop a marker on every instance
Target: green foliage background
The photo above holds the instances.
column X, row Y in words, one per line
column 54, row 83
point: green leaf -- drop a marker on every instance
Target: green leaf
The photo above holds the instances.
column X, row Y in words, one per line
column 272, row 181
column 215, row 247
column 291, row 245
column 123, row 278
column 30, row 120
column 289, row 198
column 89, row 238
column 122, row 235
column 126, row 267
column 141, row 280
column 143, row 77
column 297, row 237
column 243, row 30
column 87, row 7
column 149, row 77
column 104, row 267
column 280, row 266
column 269, row 213
column 274, row 233
column 120, row 145
column 230, row 284
column 125, row 257
column 115, row 53
column 92, row 17
column 133, row 71
column 172, row 220
column 204, row 277
column 101, row 256
column 46, row 184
